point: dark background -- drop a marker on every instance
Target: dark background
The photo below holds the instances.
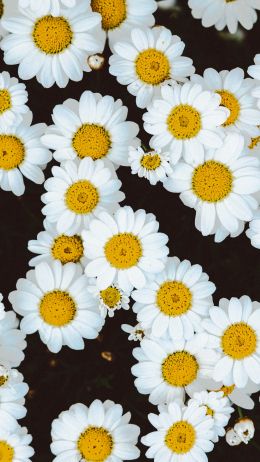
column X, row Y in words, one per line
column 57, row 381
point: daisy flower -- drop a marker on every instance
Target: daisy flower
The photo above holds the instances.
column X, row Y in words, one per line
column 235, row 329
column 124, row 248
column 12, row 341
column 95, row 126
column 238, row 396
column 53, row 300
column 253, row 232
column 152, row 165
column 77, row 191
column 222, row 13
column 13, row 96
column 168, row 368
column 12, row 392
column 136, row 333
column 219, row 186
column 150, row 59
column 254, row 71
column 53, row 6
column 184, row 120
column 100, row 432
column 235, row 92
column 7, row 8
column 54, row 49
column 14, row 440
column 182, row 433
column 22, row 154
column 175, row 301
column 110, row 299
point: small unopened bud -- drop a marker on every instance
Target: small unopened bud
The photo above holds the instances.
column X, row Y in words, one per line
column 232, row 438
column 96, row 62
column 245, row 429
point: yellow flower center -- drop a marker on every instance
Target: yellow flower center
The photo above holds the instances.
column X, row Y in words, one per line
column 180, row 369
column 212, row 181
column 230, row 102
column 113, row 12
column 254, row 142
column 67, row 249
column 184, row 122
column 152, row 66
column 95, row 444
column 151, row 161
column 3, row 380
column 6, row 452
column 12, row 152
column 173, row 298
column 239, row 341
column 227, row 390
column 180, row 437
column 82, row 197
column 209, row 411
column 5, row 101
column 110, row 296
column 52, row 35
column 57, row 308
column 123, row 250
column 91, row 141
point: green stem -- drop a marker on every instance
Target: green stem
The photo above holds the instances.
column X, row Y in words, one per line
column 240, row 413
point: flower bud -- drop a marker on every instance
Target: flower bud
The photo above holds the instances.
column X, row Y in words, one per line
column 232, row 438
column 245, row 429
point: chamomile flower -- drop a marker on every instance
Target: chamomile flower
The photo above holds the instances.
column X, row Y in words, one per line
column 54, row 49
column 7, row 9
column 254, row 72
column 12, row 392
column 175, row 301
column 54, row 6
column 12, row 341
column 110, row 299
column 95, row 126
column 136, row 333
column 235, row 329
column 182, row 433
column 125, row 248
column 253, row 232
column 219, row 186
column 100, row 432
column 14, row 440
column 13, row 96
column 225, row 13
column 152, row 165
column 184, row 120
column 53, row 300
column 150, row 59
column 168, row 368
column 79, row 190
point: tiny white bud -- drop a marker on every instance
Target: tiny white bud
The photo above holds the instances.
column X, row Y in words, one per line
column 245, row 429
column 232, row 438
column 96, row 62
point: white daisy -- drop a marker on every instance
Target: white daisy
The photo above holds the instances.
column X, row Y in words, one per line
column 124, row 248
column 239, row 396
column 12, row 392
column 7, row 8
column 168, row 368
column 135, row 332
column 77, row 191
column 13, row 96
column 254, row 71
column 95, row 126
column 222, row 13
column 253, row 232
column 110, row 299
column 22, row 154
column 219, row 186
column 12, row 341
column 182, row 433
column 53, row 48
column 150, row 59
column 175, row 301
column 235, row 329
column 14, row 440
column 53, row 6
column 184, row 121
column 152, row 165
column 100, row 432
column 54, row 300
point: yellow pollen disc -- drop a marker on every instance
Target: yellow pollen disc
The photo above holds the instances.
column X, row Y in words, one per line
column 152, row 66
column 173, row 298
column 11, row 152
column 3, row 380
column 6, row 452
column 67, row 249
column 209, row 411
column 151, row 161
column 227, row 390
column 95, row 444
column 212, row 181
column 180, row 437
column 254, row 142
column 111, row 296
column 5, row 101
column 123, row 250
column 91, row 141
column 180, row 369
column 82, row 197
column 113, row 12
column 184, row 122
column 57, row 308
column 239, row 341
column 230, row 102
column 52, row 35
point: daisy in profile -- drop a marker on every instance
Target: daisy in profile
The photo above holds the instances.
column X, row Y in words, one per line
column 152, row 165
column 184, row 120
column 150, row 59
column 235, row 92
column 100, row 432
column 239, row 396
column 95, row 127
column 54, row 6
column 53, row 300
column 253, row 232
column 110, row 299
column 254, row 72
column 219, row 187
column 235, row 329
column 12, row 392
column 125, row 248
column 14, row 440
column 182, row 433
column 13, row 96
column 136, row 333
column 54, row 49
column 12, row 341
column 175, row 301
column 168, row 368
column 225, row 13
column 22, row 154
column 77, row 191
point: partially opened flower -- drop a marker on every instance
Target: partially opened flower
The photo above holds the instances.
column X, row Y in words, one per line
column 14, row 440
column 110, row 299
column 12, row 341
column 245, row 429
column 135, row 332
column 13, row 99
column 12, row 392
column 232, row 438
column 152, row 165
